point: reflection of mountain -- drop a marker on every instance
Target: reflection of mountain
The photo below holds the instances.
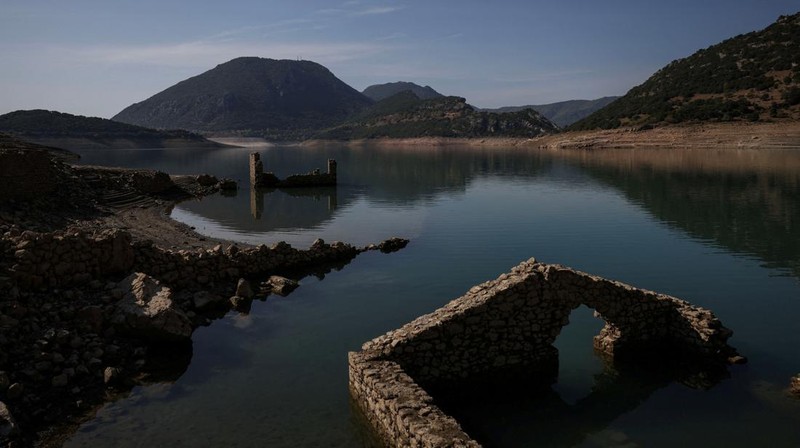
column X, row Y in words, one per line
column 397, row 176
column 406, row 175
column 746, row 201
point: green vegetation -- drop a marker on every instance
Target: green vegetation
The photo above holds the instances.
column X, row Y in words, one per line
column 725, row 82
column 406, row 116
column 44, row 123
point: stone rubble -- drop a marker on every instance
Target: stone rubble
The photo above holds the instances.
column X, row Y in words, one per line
column 85, row 312
column 794, row 386
column 148, row 311
column 281, row 286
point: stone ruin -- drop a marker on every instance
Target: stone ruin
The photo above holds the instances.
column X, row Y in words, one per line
column 511, row 323
column 260, row 179
column 25, row 174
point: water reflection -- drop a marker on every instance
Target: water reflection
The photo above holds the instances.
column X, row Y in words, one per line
column 526, row 411
column 680, row 222
column 746, row 201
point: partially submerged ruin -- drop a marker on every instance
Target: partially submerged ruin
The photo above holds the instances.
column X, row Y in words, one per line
column 260, row 179
column 510, row 324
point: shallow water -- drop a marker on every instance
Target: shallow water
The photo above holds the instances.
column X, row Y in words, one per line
column 718, row 228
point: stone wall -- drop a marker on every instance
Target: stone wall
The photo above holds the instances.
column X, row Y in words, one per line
column 181, row 269
column 402, row 411
column 512, row 322
column 26, row 174
column 40, row 261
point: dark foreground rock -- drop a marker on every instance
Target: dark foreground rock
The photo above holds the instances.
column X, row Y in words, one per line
column 148, row 311
column 89, row 310
column 8, row 426
column 794, row 386
column 81, row 312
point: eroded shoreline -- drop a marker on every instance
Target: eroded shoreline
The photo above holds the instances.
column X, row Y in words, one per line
column 738, row 135
column 100, row 290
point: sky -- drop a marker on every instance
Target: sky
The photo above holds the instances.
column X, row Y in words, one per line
column 96, row 57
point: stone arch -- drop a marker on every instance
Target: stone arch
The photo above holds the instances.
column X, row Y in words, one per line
column 507, row 324
column 514, row 320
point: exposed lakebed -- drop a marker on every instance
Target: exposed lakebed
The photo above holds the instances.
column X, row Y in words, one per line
column 717, row 228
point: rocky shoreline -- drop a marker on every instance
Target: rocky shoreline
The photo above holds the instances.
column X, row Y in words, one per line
column 100, row 290
column 734, row 135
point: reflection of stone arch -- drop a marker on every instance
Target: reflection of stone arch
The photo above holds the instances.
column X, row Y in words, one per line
column 511, row 323
column 525, row 413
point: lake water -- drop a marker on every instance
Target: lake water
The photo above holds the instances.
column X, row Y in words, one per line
column 718, row 228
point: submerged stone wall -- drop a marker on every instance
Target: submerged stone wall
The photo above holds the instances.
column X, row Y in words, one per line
column 184, row 268
column 40, row 261
column 512, row 322
column 402, row 409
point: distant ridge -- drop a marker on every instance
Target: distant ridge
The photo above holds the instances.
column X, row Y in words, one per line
column 564, row 113
column 60, row 129
column 378, row 92
column 404, row 115
column 268, row 97
column 750, row 77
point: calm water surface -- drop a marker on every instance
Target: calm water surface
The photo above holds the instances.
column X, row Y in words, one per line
column 718, row 228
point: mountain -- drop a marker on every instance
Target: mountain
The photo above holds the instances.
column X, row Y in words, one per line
column 380, row 92
column 753, row 76
column 254, row 96
column 76, row 131
column 404, row 115
column 563, row 113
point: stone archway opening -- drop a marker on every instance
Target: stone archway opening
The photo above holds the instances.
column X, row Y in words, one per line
column 578, row 362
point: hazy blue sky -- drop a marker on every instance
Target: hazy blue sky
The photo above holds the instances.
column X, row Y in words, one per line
column 95, row 57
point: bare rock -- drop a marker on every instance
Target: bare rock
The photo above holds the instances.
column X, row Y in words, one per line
column 227, row 185
column 8, row 426
column 92, row 317
column 121, row 256
column 243, row 289
column 281, row 286
column 147, row 182
column 60, row 380
column 794, row 386
column 241, row 304
column 318, row 244
column 111, row 375
column 206, row 180
column 392, row 245
column 148, row 311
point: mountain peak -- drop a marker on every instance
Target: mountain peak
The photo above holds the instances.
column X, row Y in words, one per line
column 250, row 94
column 378, row 92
